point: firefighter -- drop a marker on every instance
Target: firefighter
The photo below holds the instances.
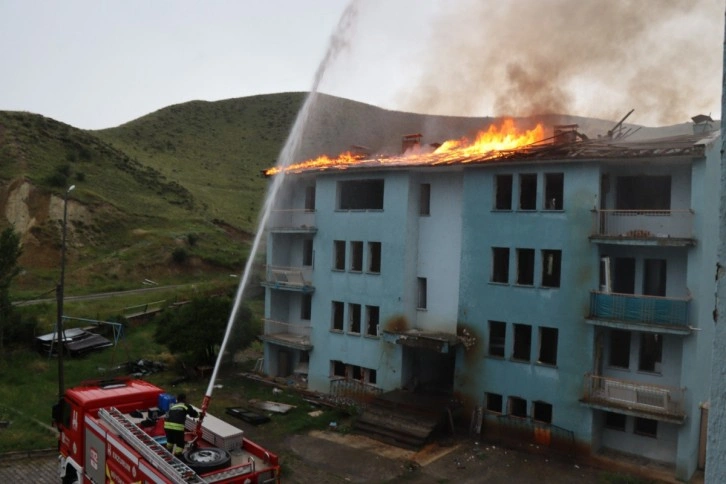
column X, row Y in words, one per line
column 174, row 424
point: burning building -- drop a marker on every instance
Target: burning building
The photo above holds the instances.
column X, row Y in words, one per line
column 560, row 288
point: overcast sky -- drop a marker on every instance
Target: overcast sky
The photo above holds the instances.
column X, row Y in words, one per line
column 96, row 64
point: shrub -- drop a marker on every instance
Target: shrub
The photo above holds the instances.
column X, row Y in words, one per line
column 179, row 255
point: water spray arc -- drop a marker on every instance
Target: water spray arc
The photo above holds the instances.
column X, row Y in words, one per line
column 338, row 42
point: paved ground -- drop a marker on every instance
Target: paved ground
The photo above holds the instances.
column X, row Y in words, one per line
column 327, row 457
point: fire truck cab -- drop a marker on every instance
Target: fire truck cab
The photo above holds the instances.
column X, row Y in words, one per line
column 112, row 431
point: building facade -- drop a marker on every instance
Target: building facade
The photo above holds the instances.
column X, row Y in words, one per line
column 566, row 292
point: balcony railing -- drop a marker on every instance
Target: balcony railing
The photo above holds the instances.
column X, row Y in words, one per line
column 643, row 224
column 289, row 334
column 640, row 309
column 352, row 392
column 295, row 278
column 294, row 218
column 634, row 396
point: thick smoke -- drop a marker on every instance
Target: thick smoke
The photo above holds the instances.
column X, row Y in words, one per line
column 590, row 58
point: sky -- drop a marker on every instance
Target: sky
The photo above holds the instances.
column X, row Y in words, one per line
column 97, row 64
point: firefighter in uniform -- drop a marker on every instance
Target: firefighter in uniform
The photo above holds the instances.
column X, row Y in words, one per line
column 174, row 424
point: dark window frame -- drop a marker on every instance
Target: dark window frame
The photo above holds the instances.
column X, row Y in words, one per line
column 356, row 256
column 551, row 268
column 374, row 257
column 337, row 316
column 500, row 265
column 424, row 208
column 503, row 192
column 522, row 345
column 339, row 255
column 548, row 345
column 497, row 339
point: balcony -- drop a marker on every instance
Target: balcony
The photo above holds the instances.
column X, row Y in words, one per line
column 644, row 227
column 635, row 398
column 296, row 221
column 641, row 313
column 287, row 334
column 289, row 278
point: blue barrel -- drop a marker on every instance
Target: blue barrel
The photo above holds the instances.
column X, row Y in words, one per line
column 166, row 400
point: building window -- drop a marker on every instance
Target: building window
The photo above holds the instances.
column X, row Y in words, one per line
column 646, row 426
column 494, row 402
column 372, row 376
column 517, row 407
column 424, row 207
column 374, row 257
column 337, row 315
column 354, row 318
column 615, row 421
column 500, row 264
column 542, row 412
column 338, row 369
column 358, row 373
column 528, row 191
column 306, row 307
column 497, row 338
column 643, row 192
column 339, row 255
column 620, row 348
column 372, row 320
column 548, row 346
column 503, row 199
column 310, row 198
column 551, row 264
column 422, row 293
column 356, row 256
column 651, row 352
column 522, row 342
column 360, row 195
column 654, row 277
column 525, row 267
column 554, row 188
column 307, row 252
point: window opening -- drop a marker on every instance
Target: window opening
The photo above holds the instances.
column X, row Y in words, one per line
column 646, row 427
column 372, row 319
column 339, row 255
column 518, row 407
column 360, row 195
column 503, row 192
column 548, row 346
column 425, row 199
column 372, row 376
column 654, row 277
column 374, row 257
column 643, row 192
column 307, row 253
column 357, row 373
column 522, row 342
column 554, row 188
column 494, row 402
column 528, row 192
column 422, row 293
column 354, row 316
column 306, row 307
column 525, row 267
column 337, row 315
column 620, row 348
column 551, row 266
column 651, row 352
column 542, row 412
column 497, row 338
column 624, row 275
column 356, row 256
column 339, row 369
column 310, row 198
column 615, row 421
column 500, row 264
column 606, row 280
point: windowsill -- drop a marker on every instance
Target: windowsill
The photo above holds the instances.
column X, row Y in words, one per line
column 496, row 283
column 352, row 333
column 549, row 287
column 373, row 273
column 527, row 210
column 423, row 310
column 372, row 336
column 358, row 210
column 527, row 286
column 337, row 270
column 424, row 215
column 555, row 210
column 516, row 360
column 337, row 331
column 496, row 357
column 619, row 368
column 356, row 271
column 505, row 210
column 650, row 373
column 547, row 365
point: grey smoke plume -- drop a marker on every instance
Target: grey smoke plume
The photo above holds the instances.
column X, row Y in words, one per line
column 583, row 57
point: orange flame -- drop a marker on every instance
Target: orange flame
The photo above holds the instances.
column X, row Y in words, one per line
column 488, row 144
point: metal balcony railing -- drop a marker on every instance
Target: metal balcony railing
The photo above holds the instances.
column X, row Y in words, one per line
column 640, row 309
column 643, row 224
column 295, row 334
column 289, row 277
column 293, row 218
column 630, row 395
column 352, row 392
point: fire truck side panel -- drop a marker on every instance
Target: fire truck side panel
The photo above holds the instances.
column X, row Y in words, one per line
column 95, row 455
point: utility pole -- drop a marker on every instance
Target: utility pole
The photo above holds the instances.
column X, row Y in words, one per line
column 59, row 295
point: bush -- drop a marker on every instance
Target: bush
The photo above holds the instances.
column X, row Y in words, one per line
column 179, row 255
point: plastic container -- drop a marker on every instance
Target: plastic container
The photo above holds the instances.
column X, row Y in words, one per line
column 165, row 401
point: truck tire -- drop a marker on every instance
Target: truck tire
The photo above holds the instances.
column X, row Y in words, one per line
column 71, row 476
column 207, row 459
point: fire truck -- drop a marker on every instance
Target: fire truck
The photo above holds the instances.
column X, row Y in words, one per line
column 112, row 431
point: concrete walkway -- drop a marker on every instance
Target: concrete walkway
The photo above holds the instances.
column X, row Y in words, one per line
column 32, row 467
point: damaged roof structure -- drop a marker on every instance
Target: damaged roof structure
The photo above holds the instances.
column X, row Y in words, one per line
column 561, row 290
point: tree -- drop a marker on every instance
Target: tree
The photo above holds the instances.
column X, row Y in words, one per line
column 195, row 330
column 9, row 254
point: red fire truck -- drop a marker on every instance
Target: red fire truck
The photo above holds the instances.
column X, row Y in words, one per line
column 112, row 431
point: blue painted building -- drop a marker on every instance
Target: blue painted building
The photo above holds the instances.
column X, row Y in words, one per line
column 565, row 290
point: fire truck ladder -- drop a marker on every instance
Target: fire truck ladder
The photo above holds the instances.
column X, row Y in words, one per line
column 157, row 454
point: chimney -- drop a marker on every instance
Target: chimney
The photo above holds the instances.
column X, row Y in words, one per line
column 410, row 141
column 702, row 124
column 565, row 134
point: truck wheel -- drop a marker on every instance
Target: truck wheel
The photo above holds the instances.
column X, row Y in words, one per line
column 207, row 459
column 71, row 476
